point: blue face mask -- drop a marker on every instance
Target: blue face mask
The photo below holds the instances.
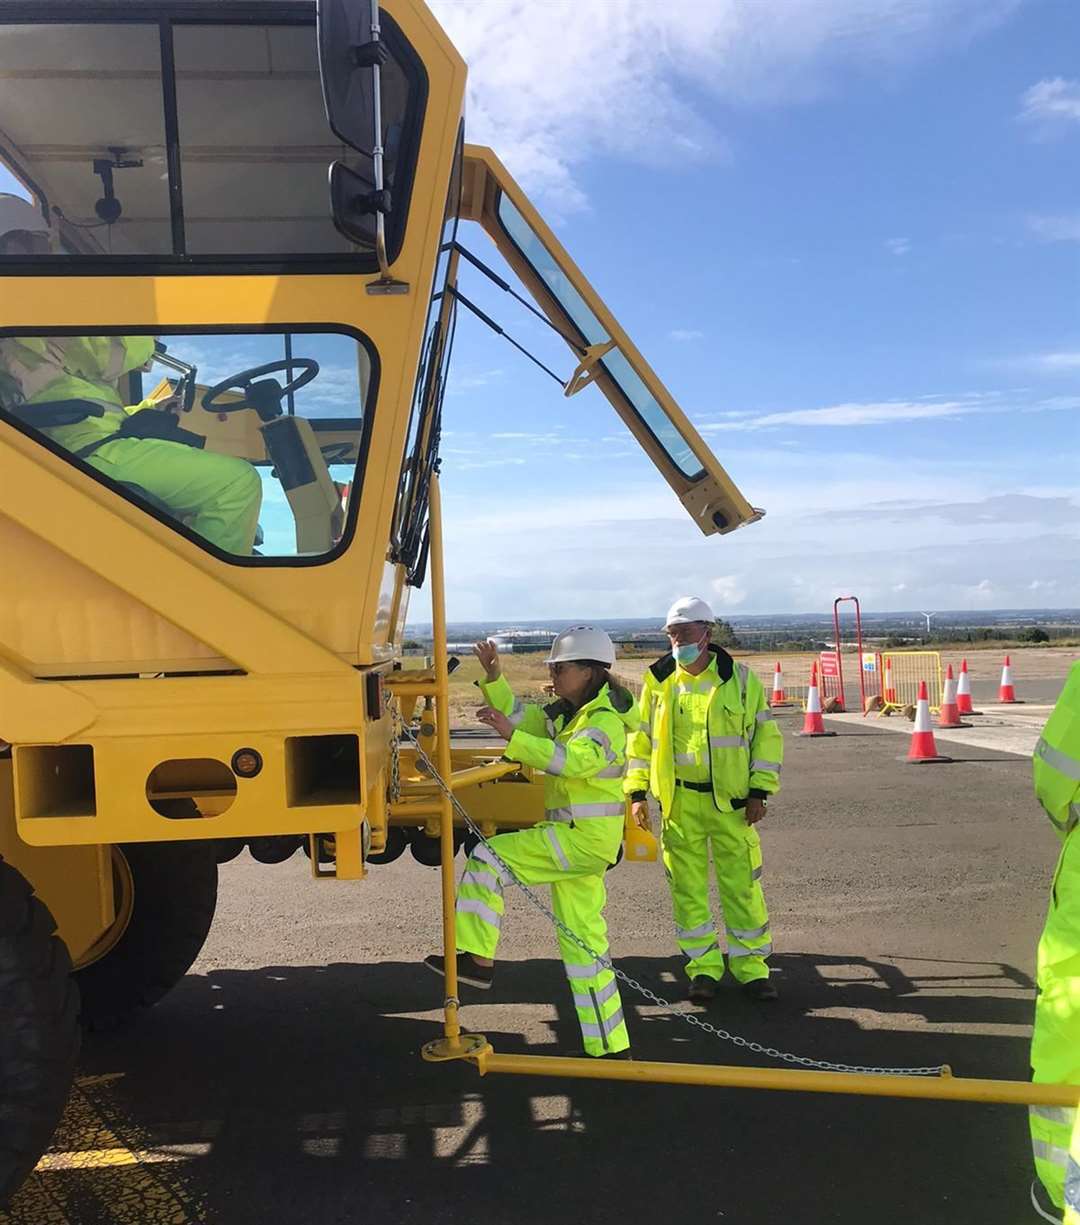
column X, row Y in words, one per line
column 687, row 652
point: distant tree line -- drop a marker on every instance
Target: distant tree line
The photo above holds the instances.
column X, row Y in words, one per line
column 986, row 633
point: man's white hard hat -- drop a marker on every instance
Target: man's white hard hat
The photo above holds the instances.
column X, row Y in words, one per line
column 19, row 214
column 582, row 642
column 686, row 609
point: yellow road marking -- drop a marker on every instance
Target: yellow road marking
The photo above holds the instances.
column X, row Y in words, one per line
column 93, row 1173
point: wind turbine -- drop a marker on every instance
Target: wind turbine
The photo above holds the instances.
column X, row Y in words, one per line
column 928, row 616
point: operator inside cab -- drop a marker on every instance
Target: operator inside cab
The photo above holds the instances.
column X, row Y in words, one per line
column 67, row 387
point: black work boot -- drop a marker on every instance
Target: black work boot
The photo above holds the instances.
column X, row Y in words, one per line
column 761, row 990
column 702, row 989
column 469, row 970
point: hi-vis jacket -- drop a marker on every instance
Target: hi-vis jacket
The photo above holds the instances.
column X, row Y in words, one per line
column 746, row 748
column 45, row 369
column 1056, row 764
column 583, row 755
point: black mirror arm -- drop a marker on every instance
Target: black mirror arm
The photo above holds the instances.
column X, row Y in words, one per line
column 378, row 201
column 368, row 55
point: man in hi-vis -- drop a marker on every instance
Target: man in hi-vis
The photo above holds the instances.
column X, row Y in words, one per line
column 708, row 748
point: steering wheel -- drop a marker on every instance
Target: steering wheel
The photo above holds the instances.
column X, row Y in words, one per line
column 262, row 394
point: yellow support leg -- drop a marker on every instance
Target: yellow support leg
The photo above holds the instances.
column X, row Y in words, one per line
column 453, row 1045
column 945, row 1087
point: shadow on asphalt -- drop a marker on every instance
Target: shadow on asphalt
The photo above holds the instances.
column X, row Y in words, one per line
column 305, row 1087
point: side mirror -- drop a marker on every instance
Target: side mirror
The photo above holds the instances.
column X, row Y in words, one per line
column 349, row 51
column 356, row 205
column 351, row 59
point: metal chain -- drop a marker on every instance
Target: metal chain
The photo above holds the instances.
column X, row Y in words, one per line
column 689, row 1017
column 395, row 751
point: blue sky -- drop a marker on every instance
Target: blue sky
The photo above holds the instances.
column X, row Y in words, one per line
column 846, row 233
column 849, row 242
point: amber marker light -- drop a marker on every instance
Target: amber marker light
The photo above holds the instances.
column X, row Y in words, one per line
column 246, row 763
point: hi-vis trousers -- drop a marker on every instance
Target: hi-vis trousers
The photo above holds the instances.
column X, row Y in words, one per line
column 1055, row 1043
column 550, row 853
column 694, row 828
column 218, row 495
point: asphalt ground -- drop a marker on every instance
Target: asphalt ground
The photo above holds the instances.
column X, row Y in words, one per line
column 280, row 1083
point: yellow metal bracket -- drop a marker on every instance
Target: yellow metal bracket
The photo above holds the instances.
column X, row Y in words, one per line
column 588, row 368
column 465, row 1046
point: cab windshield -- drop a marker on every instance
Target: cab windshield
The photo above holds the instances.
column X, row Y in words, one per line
column 185, row 138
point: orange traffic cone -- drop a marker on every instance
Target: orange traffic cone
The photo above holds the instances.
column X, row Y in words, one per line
column 813, row 723
column 890, row 688
column 1006, row 692
column 778, row 698
column 949, row 715
column 923, row 749
column 963, row 692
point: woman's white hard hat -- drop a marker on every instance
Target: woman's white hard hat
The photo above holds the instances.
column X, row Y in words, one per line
column 687, row 609
column 582, row 642
column 17, row 214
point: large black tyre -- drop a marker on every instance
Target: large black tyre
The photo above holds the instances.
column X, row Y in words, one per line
column 39, row 1029
column 173, row 894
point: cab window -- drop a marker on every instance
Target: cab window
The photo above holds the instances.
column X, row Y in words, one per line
column 190, row 141
column 249, row 442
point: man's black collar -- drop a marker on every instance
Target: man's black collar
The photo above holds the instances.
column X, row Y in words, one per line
column 665, row 665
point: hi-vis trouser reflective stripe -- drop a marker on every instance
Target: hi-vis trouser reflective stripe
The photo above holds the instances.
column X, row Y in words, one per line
column 580, row 812
column 1072, row 1179
column 1055, row 1043
column 697, row 943
column 694, row 829
column 555, row 855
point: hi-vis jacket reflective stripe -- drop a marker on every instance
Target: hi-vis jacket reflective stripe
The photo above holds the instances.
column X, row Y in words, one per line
column 746, row 749
column 75, row 368
column 1056, row 763
column 582, row 754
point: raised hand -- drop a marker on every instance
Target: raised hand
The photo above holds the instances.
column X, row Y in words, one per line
column 488, row 655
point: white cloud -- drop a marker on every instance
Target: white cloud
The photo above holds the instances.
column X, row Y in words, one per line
column 640, row 95
column 924, row 529
column 886, row 412
column 1053, row 100
column 728, row 591
column 1042, row 584
column 898, row 246
column 1053, row 362
column 471, row 380
column 685, row 334
column 469, row 465
column 1055, row 227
